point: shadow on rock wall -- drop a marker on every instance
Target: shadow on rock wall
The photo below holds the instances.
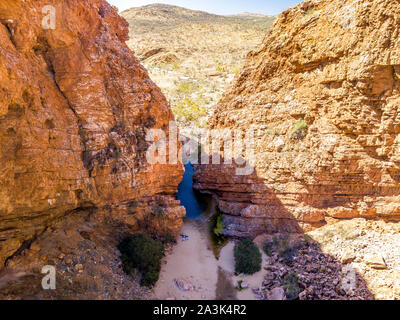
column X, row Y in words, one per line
column 296, row 262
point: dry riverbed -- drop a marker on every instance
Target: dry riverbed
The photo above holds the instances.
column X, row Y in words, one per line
column 369, row 249
column 190, row 270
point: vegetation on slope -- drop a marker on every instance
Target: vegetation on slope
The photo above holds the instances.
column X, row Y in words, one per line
column 142, row 253
column 247, row 257
column 192, row 55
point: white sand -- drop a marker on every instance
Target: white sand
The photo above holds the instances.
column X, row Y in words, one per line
column 194, row 262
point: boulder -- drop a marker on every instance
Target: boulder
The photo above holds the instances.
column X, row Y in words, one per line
column 376, row 262
column 276, row 294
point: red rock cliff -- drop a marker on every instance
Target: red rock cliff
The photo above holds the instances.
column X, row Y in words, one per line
column 322, row 91
column 75, row 107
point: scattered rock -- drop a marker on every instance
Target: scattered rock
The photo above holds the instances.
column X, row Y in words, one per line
column 245, row 285
column 242, row 285
column 269, row 276
column 376, row 262
column 79, row 267
column 348, row 256
column 183, row 285
column 307, row 273
column 276, row 294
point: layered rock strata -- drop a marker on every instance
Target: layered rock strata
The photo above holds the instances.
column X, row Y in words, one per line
column 75, row 109
column 322, row 93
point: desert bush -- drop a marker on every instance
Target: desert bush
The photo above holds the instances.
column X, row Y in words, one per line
column 247, row 257
column 219, row 225
column 288, row 254
column 150, row 278
column 220, row 67
column 175, row 66
column 140, row 252
column 189, row 110
column 216, row 226
column 291, row 286
column 187, row 88
column 300, row 130
column 286, row 251
column 239, row 285
column 268, row 248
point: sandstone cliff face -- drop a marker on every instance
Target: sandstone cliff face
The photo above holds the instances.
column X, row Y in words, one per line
column 75, row 107
column 322, row 91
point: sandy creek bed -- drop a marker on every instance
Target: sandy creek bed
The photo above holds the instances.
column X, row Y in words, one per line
column 193, row 264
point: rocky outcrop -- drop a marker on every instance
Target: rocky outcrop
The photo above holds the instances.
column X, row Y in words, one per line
column 75, row 108
column 297, row 268
column 322, row 92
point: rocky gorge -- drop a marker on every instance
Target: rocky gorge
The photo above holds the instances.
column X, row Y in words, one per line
column 321, row 201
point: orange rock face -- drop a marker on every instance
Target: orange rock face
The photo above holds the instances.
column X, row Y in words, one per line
column 75, row 108
column 322, row 93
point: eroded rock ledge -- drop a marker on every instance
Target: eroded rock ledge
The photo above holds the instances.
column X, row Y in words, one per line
column 75, row 107
column 322, row 91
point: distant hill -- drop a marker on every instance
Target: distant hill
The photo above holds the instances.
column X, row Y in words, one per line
column 164, row 14
column 192, row 55
column 251, row 15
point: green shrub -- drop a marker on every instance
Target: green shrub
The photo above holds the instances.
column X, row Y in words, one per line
column 175, row 66
column 218, row 240
column 239, row 285
column 144, row 254
column 268, row 248
column 219, row 228
column 188, row 110
column 291, row 286
column 169, row 238
column 150, row 278
column 300, row 130
column 288, row 254
column 187, row 88
column 247, row 257
column 220, row 67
